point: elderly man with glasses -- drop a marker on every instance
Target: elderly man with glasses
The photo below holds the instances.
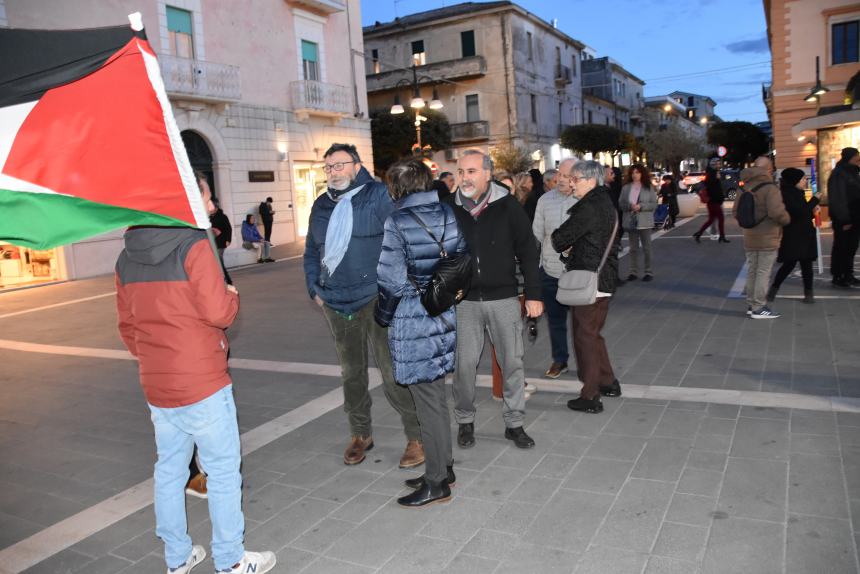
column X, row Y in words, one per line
column 342, row 250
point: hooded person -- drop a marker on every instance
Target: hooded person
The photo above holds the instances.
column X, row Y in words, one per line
column 342, row 251
column 843, row 197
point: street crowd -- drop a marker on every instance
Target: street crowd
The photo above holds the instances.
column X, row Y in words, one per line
column 374, row 253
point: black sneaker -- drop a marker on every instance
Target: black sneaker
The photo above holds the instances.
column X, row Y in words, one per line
column 613, row 390
column 585, row 405
column 417, row 483
column 466, row 435
column 519, row 436
column 648, row 277
column 632, row 277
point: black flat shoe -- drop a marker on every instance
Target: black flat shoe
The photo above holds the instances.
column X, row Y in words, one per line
column 697, row 237
column 632, row 277
column 418, row 483
column 519, row 436
column 585, row 405
column 647, row 278
column 613, row 390
column 723, row 240
column 426, row 495
column 466, row 435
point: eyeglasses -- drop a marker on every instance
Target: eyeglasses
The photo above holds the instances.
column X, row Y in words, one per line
column 577, row 179
column 335, row 166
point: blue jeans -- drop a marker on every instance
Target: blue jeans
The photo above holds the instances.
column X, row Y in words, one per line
column 211, row 425
column 556, row 316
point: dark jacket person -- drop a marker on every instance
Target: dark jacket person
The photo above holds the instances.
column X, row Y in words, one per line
column 798, row 243
column 843, row 197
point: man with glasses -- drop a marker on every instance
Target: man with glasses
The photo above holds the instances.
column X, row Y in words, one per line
column 342, row 250
column 551, row 212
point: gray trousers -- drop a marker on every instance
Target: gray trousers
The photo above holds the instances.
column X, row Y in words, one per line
column 351, row 337
column 643, row 236
column 504, row 322
column 432, row 406
column 759, row 266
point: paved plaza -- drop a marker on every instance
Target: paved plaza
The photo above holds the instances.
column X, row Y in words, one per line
column 735, row 449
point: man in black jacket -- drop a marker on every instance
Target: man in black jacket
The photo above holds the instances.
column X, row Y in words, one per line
column 498, row 234
column 223, row 232
column 267, row 214
column 843, row 197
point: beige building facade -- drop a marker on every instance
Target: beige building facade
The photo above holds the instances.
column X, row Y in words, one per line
column 503, row 75
column 259, row 88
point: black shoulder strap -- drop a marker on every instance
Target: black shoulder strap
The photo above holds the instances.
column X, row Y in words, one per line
column 440, row 243
column 759, row 186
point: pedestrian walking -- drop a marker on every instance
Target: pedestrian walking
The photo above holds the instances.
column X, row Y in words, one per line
column 714, row 201
column 422, row 347
column 669, row 195
column 638, row 202
column 341, row 255
column 583, row 240
column 843, row 196
column 498, row 234
column 182, row 359
column 251, row 239
column 267, row 216
column 221, row 228
column 762, row 241
column 551, row 212
column 798, row 243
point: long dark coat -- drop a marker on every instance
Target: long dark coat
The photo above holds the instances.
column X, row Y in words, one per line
column 798, row 237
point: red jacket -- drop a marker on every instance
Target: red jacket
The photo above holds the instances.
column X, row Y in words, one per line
column 173, row 307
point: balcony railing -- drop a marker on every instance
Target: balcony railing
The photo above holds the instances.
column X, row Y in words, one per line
column 470, row 131
column 196, row 79
column 316, row 98
column 459, row 69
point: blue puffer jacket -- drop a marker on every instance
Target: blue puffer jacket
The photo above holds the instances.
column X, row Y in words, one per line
column 353, row 284
column 422, row 346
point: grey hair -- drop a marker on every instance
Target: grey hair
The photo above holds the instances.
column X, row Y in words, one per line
column 590, row 170
column 549, row 174
column 487, row 160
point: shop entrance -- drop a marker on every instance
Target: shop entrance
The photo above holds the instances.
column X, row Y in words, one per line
column 21, row 266
column 309, row 182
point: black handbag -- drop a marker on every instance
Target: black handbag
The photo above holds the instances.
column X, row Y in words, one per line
column 452, row 276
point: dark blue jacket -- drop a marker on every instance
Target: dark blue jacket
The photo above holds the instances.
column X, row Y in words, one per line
column 353, row 284
column 422, row 347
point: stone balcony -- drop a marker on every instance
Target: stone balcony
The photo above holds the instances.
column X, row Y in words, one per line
column 198, row 80
column 470, row 131
column 459, row 69
column 324, row 6
column 310, row 98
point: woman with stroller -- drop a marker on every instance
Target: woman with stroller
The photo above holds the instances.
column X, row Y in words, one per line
column 669, row 195
column 798, row 244
column 637, row 203
column 422, row 347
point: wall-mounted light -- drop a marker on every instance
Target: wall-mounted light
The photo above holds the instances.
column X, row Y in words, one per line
column 818, row 89
column 801, row 138
column 282, row 151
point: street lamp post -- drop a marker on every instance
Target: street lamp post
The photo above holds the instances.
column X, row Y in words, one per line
column 417, row 102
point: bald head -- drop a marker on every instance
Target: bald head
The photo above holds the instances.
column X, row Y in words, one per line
column 564, row 183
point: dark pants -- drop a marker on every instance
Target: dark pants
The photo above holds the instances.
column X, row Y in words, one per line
column 267, row 229
column 351, row 336
column 845, row 242
column 227, row 277
column 431, row 403
column 592, row 359
column 715, row 213
column 788, row 267
column 556, row 316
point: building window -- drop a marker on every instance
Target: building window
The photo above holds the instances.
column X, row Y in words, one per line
column 533, row 99
column 419, row 57
column 691, row 101
column 180, row 34
column 560, row 115
column 376, row 67
column 310, row 60
column 590, row 117
column 467, row 43
column 845, row 40
column 573, row 65
column 472, row 112
column 529, row 47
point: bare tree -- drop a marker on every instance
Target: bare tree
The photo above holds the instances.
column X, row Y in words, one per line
column 671, row 145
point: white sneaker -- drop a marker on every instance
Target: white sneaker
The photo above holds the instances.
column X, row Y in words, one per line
column 530, row 388
column 198, row 554
column 254, row 563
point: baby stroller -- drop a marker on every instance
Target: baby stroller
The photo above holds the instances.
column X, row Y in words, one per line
column 661, row 217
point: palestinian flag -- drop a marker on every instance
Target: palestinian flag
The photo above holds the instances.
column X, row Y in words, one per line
column 88, row 143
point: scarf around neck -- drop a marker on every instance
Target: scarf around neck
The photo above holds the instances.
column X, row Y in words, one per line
column 475, row 208
column 339, row 230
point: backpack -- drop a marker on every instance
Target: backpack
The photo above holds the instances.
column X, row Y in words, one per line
column 452, row 276
column 745, row 208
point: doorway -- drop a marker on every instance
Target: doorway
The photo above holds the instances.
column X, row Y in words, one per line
column 309, row 182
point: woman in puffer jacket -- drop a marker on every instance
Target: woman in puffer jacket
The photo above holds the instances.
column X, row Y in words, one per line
column 422, row 347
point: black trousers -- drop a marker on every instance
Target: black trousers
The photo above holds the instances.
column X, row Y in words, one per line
column 267, row 229
column 788, row 267
column 845, row 242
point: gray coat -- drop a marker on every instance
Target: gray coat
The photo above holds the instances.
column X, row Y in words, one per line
column 647, row 201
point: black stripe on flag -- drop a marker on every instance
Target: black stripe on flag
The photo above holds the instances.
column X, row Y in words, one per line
column 35, row 61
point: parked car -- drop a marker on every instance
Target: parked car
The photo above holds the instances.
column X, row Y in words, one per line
column 693, row 179
column 731, row 182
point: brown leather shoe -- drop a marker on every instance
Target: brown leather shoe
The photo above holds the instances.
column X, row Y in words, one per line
column 555, row 370
column 413, row 455
column 197, row 486
column 357, row 447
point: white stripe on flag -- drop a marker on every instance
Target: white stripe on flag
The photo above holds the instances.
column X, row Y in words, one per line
column 192, row 191
column 11, row 118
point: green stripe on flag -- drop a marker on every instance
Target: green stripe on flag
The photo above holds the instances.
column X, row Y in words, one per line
column 47, row 220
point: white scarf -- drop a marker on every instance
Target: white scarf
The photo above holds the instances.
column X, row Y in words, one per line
column 339, row 231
